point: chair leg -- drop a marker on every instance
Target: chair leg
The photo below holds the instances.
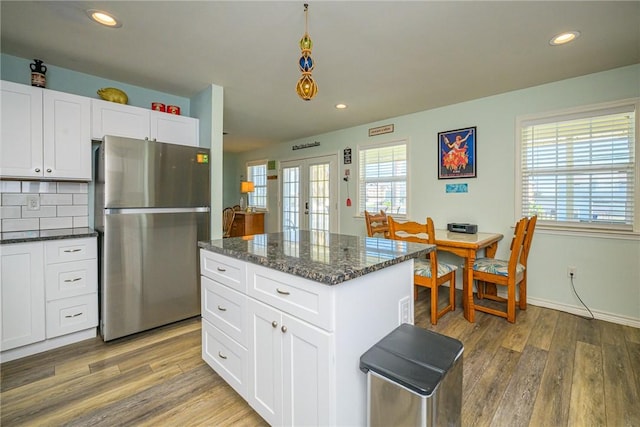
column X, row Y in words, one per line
column 511, row 303
column 452, row 291
column 434, row 304
column 480, row 285
column 522, row 300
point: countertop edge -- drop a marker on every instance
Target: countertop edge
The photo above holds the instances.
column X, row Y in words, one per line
column 12, row 237
column 301, row 271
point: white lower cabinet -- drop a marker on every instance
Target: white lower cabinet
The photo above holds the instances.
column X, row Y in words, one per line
column 21, row 295
column 49, row 290
column 291, row 346
column 289, row 368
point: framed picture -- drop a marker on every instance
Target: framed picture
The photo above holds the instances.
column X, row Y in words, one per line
column 457, row 153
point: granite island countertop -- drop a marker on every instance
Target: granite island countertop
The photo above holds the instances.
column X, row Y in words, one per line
column 9, row 237
column 319, row 256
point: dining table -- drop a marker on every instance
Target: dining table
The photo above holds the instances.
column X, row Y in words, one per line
column 467, row 246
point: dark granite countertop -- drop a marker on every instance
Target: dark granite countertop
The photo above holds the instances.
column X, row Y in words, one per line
column 319, row 256
column 39, row 235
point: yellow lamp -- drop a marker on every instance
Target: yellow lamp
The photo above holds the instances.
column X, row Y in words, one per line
column 245, row 187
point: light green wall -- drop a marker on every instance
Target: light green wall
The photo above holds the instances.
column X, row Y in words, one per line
column 17, row 70
column 608, row 274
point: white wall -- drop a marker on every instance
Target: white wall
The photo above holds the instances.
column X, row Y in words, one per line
column 608, row 276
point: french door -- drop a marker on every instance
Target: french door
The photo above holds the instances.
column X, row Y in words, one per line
column 308, row 194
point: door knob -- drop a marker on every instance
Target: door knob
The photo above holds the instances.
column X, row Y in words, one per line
column 274, row 324
column 49, row 170
column 283, row 329
column 37, row 169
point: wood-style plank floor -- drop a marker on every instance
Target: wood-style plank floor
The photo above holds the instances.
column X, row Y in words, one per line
column 548, row 369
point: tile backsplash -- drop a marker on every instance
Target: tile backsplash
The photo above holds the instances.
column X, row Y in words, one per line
column 32, row 205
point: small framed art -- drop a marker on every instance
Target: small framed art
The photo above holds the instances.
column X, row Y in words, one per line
column 457, row 153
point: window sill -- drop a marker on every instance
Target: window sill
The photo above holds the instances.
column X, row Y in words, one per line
column 585, row 232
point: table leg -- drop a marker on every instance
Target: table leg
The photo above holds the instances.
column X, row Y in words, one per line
column 467, row 287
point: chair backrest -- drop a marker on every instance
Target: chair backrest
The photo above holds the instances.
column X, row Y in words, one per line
column 227, row 221
column 517, row 244
column 528, row 237
column 411, row 231
column 237, row 208
column 376, row 223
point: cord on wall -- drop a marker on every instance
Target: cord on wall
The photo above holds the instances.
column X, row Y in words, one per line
column 585, row 306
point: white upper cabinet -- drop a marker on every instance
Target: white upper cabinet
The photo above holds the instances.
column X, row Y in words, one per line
column 21, row 127
column 175, row 129
column 45, row 134
column 110, row 118
column 67, row 141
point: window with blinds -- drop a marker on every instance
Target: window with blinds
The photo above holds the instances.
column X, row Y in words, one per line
column 580, row 169
column 257, row 173
column 383, row 178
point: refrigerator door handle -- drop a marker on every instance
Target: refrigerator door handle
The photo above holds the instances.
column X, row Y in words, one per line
column 137, row 211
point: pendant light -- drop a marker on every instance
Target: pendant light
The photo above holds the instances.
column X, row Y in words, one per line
column 306, row 87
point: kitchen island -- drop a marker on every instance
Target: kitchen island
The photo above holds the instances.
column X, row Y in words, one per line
column 286, row 317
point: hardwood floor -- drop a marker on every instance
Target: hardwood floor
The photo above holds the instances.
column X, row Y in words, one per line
column 548, row 369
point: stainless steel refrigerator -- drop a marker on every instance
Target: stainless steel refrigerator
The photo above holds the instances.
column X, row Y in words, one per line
column 152, row 206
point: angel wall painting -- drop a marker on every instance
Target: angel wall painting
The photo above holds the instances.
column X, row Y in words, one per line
column 457, row 153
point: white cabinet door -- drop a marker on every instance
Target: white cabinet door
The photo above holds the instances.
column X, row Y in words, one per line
column 22, row 295
column 289, row 368
column 66, row 136
column 265, row 362
column 306, row 372
column 174, row 129
column 111, row 118
column 21, row 130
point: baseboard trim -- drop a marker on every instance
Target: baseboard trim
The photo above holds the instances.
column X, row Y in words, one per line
column 580, row 311
column 39, row 347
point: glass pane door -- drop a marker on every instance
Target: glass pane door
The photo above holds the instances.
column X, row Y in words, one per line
column 308, row 194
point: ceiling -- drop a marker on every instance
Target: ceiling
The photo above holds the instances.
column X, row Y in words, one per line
column 383, row 59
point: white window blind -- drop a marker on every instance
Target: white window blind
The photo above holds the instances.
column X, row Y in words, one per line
column 383, row 178
column 257, row 173
column 579, row 170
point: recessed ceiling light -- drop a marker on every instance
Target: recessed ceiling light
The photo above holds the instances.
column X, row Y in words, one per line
column 341, row 106
column 564, row 38
column 104, row 18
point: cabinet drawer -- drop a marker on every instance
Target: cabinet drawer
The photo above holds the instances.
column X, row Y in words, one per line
column 70, row 279
column 226, row 309
column 305, row 299
column 71, row 314
column 223, row 269
column 70, row 250
column 228, row 358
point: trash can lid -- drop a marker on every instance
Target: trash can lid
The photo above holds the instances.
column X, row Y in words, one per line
column 413, row 357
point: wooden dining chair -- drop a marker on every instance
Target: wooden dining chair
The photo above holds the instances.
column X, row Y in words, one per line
column 377, row 223
column 423, row 268
column 228, row 214
column 509, row 273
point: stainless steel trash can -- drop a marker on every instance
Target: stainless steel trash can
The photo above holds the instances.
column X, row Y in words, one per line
column 414, row 378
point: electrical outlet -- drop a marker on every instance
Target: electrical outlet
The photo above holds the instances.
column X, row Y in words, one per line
column 405, row 310
column 571, row 271
column 33, row 203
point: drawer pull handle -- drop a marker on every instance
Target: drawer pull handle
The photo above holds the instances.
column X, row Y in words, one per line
column 68, row 316
column 274, row 324
column 73, row 280
column 222, row 269
column 72, row 250
column 221, row 356
column 283, row 329
column 280, row 291
column 221, row 308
